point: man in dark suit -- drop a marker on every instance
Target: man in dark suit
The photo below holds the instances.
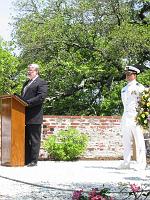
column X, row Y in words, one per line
column 34, row 92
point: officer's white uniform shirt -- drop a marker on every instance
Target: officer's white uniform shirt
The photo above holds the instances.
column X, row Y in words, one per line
column 130, row 97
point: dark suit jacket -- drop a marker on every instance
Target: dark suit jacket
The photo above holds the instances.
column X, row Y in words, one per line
column 35, row 95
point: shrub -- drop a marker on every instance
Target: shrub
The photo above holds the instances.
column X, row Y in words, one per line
column 66, row 144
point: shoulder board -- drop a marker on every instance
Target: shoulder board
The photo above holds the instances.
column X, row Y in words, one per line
column 139, row 84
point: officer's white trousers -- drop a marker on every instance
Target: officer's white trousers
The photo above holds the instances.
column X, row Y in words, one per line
column 130, row 130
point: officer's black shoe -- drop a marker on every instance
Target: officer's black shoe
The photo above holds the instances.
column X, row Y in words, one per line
column 32, row 164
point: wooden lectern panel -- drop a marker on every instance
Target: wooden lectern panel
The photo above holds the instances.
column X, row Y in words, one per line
column 6, row 131
column 12, row 131
column 18, row 136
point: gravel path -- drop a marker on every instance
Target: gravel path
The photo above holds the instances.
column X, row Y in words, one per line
column 52, row 180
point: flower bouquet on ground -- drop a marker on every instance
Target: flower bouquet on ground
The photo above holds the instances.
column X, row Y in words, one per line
column 126, row 192
column 94, row 194
column 143, row 115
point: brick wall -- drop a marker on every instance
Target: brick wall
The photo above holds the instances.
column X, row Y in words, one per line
column 104, row 132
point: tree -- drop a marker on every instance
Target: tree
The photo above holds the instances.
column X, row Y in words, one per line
column 9, row 73
column 81, row 46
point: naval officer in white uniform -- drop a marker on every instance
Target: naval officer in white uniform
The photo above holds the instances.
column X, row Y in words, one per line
column 130, row 96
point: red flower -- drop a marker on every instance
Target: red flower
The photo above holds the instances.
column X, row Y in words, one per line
column 77, row 194
column 98, row 197
column 92, row 193
column 135, row 188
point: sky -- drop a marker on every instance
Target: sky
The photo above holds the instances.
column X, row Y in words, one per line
column 5, row 18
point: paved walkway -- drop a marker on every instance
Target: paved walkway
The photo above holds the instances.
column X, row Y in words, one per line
column 56, row 180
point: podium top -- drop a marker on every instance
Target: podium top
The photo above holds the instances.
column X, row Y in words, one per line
column 13, row 97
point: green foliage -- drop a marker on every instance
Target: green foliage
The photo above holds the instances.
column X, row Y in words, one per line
column 81, row 46
column 144, row 78
column 112, row 101
column 8, row 70
column 66, row 145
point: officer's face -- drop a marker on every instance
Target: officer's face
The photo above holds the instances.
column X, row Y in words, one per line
column 130, row 76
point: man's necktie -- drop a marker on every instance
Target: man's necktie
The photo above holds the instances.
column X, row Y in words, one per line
column 26, row 87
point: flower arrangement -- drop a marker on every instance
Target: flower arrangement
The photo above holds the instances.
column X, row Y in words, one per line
column 94, row 194
column 133, row 191
column 143, row 115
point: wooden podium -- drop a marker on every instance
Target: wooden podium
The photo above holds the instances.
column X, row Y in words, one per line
column 12, row 110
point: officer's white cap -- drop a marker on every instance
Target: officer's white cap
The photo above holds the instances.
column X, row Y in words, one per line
column 132, row 69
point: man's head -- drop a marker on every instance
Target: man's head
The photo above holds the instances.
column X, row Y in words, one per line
column 33, row 70
column 131, row 73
